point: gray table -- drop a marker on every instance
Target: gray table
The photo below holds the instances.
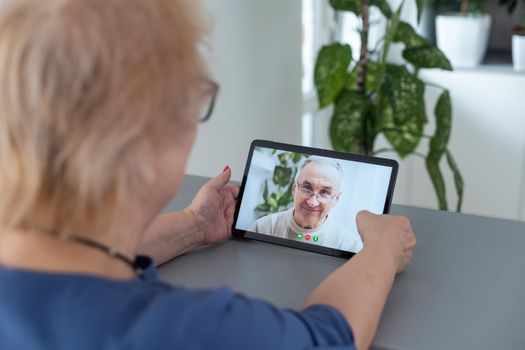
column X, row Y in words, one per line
column 465, row 288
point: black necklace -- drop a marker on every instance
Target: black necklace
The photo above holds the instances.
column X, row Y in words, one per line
column 112, row 252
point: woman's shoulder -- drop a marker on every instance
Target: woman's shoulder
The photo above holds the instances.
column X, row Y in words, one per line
column 98, row 309
column 148, row 313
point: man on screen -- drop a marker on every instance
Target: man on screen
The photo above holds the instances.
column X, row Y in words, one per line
column 316, row 191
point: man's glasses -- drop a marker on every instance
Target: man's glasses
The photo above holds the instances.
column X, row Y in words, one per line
column 323, row 196
column 208, row 97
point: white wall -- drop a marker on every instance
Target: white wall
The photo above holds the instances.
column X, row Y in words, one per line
column 488, row 141
column 256, row 59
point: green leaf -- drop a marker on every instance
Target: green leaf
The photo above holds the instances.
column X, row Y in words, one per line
column 287, row 197
column 263, row 207
column 443, row 113
column 354, row 6
column 278, row 196
column 282, row 158
column 403, row 137
column 432, row 163
column 330, row 72
column 402, row 109
column 407, row 35
column 351, row 80
column 419, row 4
column 427, row 57
column 438, row 145
column 392, row 28
column 458, row 179
column 296, row 157
column 372, row 73
column 383, row 6
column 273, row 204
column 265, row 191
column 281, row 175
column 418, row 51
column 346, row 125
column 404, row 93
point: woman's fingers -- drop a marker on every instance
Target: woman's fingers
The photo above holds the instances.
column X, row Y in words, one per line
column 233, row 189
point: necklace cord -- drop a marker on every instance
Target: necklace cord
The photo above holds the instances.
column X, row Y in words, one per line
column 112, row 252
column 103, row 248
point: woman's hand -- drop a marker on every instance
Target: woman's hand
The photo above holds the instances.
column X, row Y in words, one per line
column 207, row 219
column 213, row 207
column 393, row 235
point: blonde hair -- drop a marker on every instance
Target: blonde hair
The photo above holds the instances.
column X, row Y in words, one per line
column 86, row 88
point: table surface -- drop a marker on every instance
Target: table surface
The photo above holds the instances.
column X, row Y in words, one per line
column 463, row 290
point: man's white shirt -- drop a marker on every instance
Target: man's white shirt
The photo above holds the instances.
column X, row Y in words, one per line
column 330, row 234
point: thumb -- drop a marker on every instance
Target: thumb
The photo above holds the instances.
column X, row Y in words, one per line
column 222, row 179
column 364, row 217
column 365, row 214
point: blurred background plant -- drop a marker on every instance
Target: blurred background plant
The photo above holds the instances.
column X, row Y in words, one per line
column 463, row 6
column 372, row 97
column 511, row 5
column 283, row 178
column 472, row 6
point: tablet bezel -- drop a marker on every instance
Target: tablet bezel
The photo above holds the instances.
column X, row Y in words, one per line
column 238, row 233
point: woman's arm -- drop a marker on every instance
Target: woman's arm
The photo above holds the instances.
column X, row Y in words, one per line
column 207, row 219
column 359, row 288
column 170, row 235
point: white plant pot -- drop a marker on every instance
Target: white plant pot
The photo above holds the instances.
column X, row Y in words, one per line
column 518, row 52
column 463, row 39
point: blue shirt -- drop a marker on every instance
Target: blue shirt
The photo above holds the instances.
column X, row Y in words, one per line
column 73, row 311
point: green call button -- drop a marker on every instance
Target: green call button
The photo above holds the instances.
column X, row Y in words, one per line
column 299, row 235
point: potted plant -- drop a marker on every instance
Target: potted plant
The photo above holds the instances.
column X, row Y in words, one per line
column 518, row 35
column 518, row 48
column 373, row 97
column 462, row 31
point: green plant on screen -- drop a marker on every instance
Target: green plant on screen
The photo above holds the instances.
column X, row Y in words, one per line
column 283, row 177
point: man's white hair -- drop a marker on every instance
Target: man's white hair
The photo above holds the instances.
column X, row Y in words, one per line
column 320, row 160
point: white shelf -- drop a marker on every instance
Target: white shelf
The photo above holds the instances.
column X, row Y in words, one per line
column 501, row 69
column 494, row 68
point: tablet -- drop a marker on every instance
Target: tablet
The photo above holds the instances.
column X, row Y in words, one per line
column 308, row 198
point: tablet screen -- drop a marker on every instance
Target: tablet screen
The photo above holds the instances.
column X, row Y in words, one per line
column 309, row 198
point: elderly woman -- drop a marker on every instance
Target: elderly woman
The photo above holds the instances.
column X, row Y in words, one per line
column 99, row 104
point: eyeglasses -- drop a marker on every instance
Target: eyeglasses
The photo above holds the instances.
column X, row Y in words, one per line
column 323, row 196
column 208, row 97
